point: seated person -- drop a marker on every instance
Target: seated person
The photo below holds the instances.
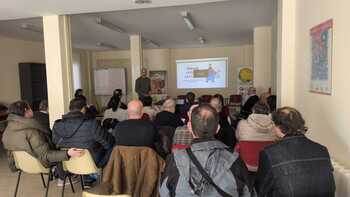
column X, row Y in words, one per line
column 189, row 101
column 148, row 109
column 271, row 101
column 207, row 168
column 134, row 131
column 91, row 110
column 24, row 133
column 75, row 129
column 226, row 133
column 42, row 116
column 115, row 112
column 183, row 136
column 117, row 95
column 3, row 117
column 248, row 103
column 167, row 117
column 294, row 166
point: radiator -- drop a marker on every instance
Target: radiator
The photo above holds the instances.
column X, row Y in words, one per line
column 342, row 180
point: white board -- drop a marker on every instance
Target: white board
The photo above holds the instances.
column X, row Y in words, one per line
column 107, row 80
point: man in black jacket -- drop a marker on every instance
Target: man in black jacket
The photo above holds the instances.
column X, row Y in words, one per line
column 208, row 167
column 294, row 166
column 77, row 130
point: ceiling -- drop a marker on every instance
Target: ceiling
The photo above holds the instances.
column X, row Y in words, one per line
column 16, row 9
column 221, row 24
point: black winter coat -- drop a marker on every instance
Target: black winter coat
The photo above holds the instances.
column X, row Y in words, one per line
column 295, row 166
column 78, row 131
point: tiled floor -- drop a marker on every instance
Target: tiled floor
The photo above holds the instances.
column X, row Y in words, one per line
column 30, row 185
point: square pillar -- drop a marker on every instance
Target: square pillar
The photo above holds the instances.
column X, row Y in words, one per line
column 136, row 60
column 58, row 56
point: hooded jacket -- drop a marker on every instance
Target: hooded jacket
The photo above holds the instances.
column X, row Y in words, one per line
column 26, row 134
column 258, row 127
column 77, row 130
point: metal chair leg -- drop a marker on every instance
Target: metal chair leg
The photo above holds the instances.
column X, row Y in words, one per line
column 64, row 184
column 43, row 180
column 48, row 183
column 82, row 182
column 71, row 184
column 17, row 185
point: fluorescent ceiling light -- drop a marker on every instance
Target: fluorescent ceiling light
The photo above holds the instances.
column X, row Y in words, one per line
column 142, row 1
column 151, row 42
column 201, row 40
column 188, row 20
column 32, row 28
column 106, row 45
column 109, row 25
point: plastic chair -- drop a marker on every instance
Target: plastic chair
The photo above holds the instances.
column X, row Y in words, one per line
column 86, row 194
column 29, row 164
column 83, row 165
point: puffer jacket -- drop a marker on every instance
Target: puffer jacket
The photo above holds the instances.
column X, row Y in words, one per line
column 258, row 127
column 77, row 130
column 182, row 178
column 26, row 134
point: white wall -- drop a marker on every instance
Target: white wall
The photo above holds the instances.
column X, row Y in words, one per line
column 164, row 59
column 12, row 52
column 327, row 116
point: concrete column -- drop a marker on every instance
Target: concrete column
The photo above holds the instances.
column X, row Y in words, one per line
column 286, row 49
column 58, row 55
column 136, row 60
column 262, row 59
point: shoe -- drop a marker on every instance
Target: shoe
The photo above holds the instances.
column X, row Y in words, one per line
column 75, row 179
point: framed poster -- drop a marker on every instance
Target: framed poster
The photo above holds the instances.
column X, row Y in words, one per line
column 158, row 82
column 244, row 79
column 321, row 58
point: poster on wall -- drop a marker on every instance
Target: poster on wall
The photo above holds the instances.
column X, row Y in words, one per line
column 158, row 82
column 321, row 58
column 244, row 79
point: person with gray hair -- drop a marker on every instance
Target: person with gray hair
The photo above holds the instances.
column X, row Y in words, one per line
column 167, row 117
column 134, row 131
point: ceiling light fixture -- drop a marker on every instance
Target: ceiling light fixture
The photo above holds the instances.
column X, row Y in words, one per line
column 188, row 20
column 102, row 44
column 142, row 1
column 31, row 27
column 201, row 40
column 109, row 25
column 151, row 42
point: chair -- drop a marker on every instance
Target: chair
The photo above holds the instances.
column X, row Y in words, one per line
column 28, row 164
column 86, row 194
column 83, row 165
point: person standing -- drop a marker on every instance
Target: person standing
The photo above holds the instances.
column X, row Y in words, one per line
column 143, row 85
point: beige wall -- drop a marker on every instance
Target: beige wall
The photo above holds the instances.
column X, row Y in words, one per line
column 327, row 116
column 12, row 52
column 164, row 59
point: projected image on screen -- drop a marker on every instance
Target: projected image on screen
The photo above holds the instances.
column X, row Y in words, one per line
column 201, row 73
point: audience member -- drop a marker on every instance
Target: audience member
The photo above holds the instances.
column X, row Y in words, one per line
column 167, row 117
column 202, row 169
column 264, row 96
column 148, row 109
column 143, row 84
column 134, row 131
column 295, row 165
column 75, row 129
column 115, row 112
column 189, row 101
column 271, row 101
column 117, row 96
column 42, row 116
column 248, row 102
column 226, row 133
column 24, row 133
column 3, row 117
column 183, row 136
column 79, row 93
column 253, row 135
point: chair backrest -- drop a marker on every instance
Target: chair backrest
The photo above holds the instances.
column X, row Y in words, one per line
column 86, row 194
column 249, row 151
column 83, row 165
column 27, row 163
column 235, row 98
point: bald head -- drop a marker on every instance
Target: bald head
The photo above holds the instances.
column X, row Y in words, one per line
column 169, row 105
column 135, row 109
